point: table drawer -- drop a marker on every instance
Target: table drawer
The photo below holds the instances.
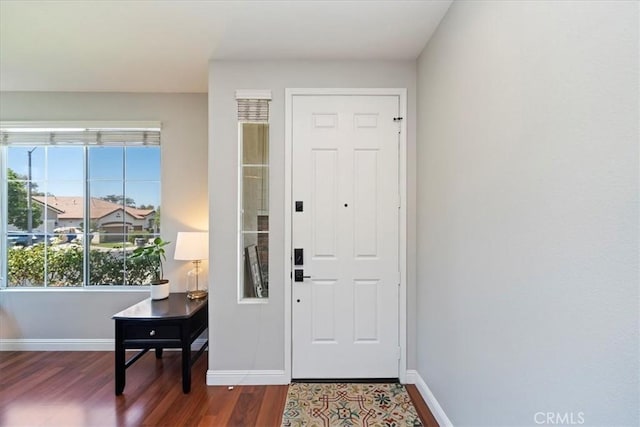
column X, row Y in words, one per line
column 150, row 332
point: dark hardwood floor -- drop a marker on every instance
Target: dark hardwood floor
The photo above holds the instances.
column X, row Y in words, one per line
column 77, row 389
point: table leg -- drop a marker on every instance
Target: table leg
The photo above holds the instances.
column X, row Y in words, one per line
column 186, row 358
column 158, row 352
column 119, row 360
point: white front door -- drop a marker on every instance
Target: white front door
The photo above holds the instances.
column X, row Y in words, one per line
column 345, row 173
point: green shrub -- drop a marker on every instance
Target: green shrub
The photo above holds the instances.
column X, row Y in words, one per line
column 138, row 272
column 105, row 268
column 25, row 266
column 64, row 267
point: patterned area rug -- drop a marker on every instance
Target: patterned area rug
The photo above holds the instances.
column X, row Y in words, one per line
column 349, row 405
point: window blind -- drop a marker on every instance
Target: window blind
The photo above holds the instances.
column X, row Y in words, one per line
column 39, row 136
column 253, row 105
column 253, row 110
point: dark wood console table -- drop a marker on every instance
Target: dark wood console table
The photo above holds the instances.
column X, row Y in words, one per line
column 174, row 322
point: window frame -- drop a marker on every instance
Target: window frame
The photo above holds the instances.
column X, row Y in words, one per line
column 240, row 208
column 240, row 96
column 55, row 126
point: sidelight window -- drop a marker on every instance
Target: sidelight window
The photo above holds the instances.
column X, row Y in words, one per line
column 253, row 184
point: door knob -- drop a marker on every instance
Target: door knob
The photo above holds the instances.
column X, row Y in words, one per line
column 298, row 275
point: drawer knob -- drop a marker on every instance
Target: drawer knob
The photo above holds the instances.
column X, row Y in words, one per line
column 152, row 333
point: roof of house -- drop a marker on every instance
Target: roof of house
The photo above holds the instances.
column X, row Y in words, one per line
column 71, row 207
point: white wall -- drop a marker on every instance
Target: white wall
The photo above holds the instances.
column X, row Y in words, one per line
column 252, row 336
column 528, row 212
column 82, row 314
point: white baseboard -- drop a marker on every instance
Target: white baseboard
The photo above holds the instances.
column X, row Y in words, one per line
column 68, row 344
column 254, row 377
column 413, row 377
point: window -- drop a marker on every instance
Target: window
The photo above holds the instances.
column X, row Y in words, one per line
column 253, row 176
column 78, row 202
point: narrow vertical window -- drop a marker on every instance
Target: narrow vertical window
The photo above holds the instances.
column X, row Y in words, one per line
column 253, row 184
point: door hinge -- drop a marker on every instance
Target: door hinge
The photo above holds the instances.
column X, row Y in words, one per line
column 397, row 119
column 398, row 279
column 399, row 353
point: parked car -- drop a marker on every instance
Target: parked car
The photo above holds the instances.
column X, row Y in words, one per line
column 22, row 239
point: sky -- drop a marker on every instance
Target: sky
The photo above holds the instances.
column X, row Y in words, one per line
column 59, row 170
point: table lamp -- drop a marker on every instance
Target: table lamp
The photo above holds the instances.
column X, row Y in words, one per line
column 193, row 246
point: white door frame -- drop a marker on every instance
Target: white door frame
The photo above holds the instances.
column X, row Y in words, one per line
column 288, row 211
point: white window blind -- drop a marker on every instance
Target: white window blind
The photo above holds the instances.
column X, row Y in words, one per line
column 14, row 135
column 253, row 110
column 253, row 105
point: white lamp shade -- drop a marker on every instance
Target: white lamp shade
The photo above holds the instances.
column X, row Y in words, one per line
column 192, row 246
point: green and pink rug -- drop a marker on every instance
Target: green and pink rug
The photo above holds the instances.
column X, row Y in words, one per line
column 349, row 405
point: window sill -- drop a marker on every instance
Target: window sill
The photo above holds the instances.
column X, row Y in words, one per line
column 127, row 289
column 253, row 301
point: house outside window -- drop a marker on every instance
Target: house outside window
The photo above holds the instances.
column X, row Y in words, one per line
column 76, row 201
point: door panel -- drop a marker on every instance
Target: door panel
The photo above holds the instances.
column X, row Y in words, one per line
column 365, row 203
column 324, row 201
column 345, row 170
column 365, row 310
column 323, row 314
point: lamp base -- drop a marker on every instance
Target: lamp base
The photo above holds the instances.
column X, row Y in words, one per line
column 199, row 294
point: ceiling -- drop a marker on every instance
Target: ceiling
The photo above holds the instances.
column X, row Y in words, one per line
column 164, row 46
